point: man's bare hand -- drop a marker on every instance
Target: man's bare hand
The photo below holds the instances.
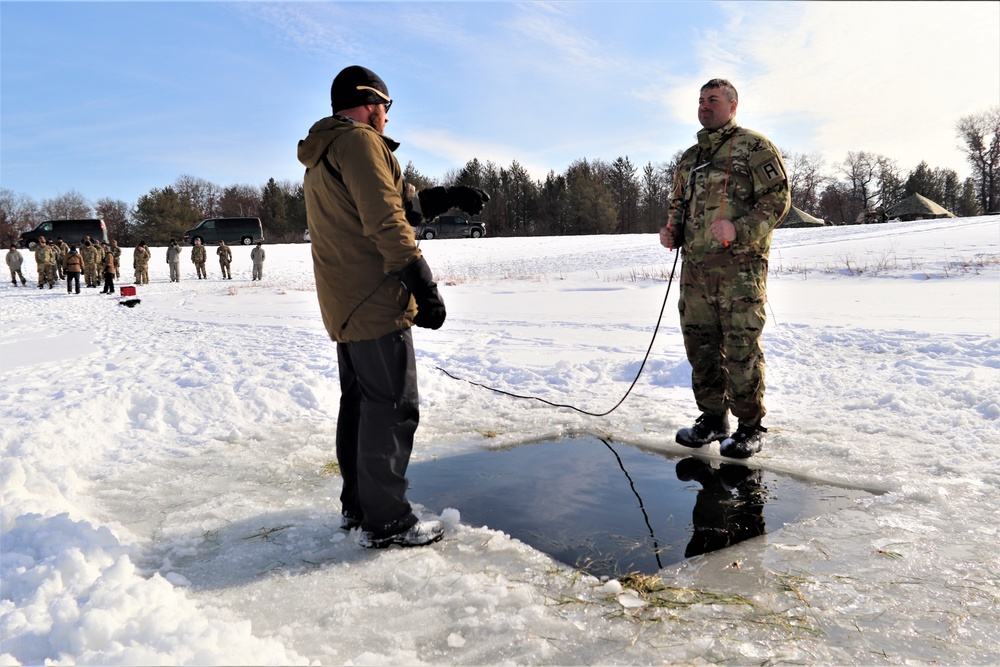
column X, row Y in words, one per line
column 668, row 238
column 724, row 231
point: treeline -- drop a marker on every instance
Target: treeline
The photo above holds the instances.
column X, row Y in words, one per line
column 591, row 197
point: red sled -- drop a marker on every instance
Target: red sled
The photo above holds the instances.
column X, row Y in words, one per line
column 128, row 291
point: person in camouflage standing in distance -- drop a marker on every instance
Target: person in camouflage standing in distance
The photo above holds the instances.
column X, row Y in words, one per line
column 117, row 252
column 55, row 259
column 225, row 259
column 140, row 262
column 45, row 263
column 62, row 249
column 91, row 263
column 199, row 257
column 730, row 191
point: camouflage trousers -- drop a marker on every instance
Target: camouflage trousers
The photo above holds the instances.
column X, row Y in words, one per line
column 722, row 317
column 47, row 275
column 200, row 267
column 92, row 274
column 142, row 274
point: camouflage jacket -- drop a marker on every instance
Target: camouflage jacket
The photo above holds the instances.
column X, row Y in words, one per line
column 90, row 255
column 140, row 258
column 44, row 255
column 225, row 254
column 735, row 174
column 198, row 254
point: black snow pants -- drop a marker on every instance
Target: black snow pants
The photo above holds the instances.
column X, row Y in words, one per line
column 379, row 412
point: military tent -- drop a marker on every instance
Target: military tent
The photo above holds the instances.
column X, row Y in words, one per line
column 798, row 218
column 916, row 207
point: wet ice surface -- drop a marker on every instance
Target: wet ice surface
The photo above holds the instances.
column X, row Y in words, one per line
column 610, row 509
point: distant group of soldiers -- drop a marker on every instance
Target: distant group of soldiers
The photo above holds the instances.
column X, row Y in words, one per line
column 57, row 260
column 199, row 255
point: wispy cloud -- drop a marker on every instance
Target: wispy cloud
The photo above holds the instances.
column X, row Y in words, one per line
column 887, row 77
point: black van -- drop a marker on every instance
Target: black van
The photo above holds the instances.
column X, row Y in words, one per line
column 231, row 230
column 70, row 231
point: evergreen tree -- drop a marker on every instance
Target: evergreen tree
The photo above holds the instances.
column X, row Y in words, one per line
column 274, row 213
column 161, row 216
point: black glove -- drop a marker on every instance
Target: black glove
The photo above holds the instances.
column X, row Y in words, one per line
column 438, row 200
column 433, row 202
column 417, row 278
column 469, row 199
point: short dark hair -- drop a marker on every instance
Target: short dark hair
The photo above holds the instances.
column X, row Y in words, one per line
column 725, row 85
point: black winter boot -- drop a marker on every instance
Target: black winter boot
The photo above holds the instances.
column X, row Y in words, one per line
column 747, row 441
column 707, row 428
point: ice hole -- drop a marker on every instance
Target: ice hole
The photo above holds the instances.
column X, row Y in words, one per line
column 610, row 508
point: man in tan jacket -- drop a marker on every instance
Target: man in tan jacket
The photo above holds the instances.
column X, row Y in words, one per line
column 373, row 285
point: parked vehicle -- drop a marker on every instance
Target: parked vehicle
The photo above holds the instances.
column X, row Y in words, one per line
column 70, row 231
column 450, row 227
column 231, row 230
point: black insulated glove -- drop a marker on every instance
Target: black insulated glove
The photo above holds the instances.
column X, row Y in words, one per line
column 433, row 202
column 417, row 278
column 469, row 199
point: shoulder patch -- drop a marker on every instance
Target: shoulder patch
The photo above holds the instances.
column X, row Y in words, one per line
column 767, row 167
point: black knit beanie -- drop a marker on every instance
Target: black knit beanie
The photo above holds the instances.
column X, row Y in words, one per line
column 356, row 86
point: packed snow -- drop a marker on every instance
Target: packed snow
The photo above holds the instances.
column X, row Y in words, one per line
column 169, row 493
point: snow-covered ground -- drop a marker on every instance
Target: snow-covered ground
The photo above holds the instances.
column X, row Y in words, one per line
column 168, row 498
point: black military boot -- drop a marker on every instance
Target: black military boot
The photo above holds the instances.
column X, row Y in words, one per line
column 747, row 441
column 707, row 428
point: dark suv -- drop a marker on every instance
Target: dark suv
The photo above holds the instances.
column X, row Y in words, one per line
column 450, row 227
column 231, row 230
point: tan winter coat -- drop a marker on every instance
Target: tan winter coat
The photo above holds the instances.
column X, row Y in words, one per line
column 73, row 263
column 358, row 229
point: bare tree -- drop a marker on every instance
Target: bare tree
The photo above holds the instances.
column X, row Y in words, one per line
column 980, row 135
column 239, row 201
column 200, row 195
column 68, row 206
column 18, row 214
column 115, row 214
column 891, row 188
column 806, row 178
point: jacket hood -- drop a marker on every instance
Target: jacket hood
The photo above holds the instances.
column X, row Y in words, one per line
column 322, row 134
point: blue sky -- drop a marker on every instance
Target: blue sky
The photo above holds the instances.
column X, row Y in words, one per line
column 112, row 99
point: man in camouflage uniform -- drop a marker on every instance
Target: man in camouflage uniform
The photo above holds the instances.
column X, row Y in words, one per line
column 45, row 263
column 91, row 263
column 117, row 252
column 62, row 249
column 225, row 259
column 199, row 256
column 140, row 262
column 730, row 192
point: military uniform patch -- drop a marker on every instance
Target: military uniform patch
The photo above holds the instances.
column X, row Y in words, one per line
column 767, row 168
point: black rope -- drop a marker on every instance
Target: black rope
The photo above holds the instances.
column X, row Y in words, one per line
column 573, row 407
column 642, row 507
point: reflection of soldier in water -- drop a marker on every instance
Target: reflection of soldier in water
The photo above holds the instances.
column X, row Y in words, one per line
column 729, row 507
